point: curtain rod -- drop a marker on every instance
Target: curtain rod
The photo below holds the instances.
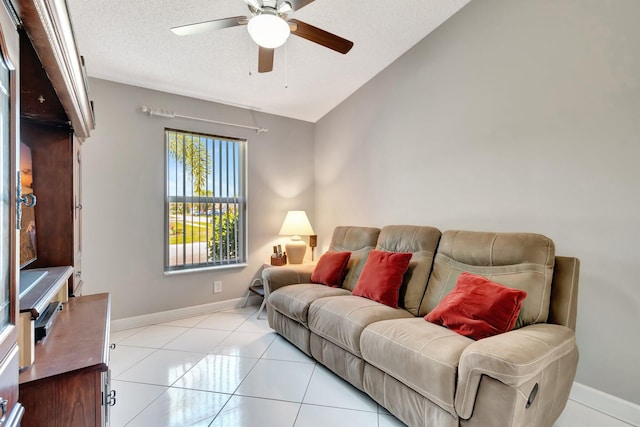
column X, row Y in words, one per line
column 168, row 114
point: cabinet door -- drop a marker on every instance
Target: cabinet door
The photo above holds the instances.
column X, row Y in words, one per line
column 9, row 55
column 7, row 187
column 77, row 218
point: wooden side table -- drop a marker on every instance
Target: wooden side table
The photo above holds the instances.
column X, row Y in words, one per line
column 257, row 288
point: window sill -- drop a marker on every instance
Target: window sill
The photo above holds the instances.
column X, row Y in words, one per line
column 203, row 269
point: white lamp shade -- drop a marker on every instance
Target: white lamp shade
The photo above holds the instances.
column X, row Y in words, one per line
column 296, row 223
column 268, row 30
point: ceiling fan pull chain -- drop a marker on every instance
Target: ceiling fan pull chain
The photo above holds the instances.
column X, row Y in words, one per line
column 250, row 60
column 286, row 65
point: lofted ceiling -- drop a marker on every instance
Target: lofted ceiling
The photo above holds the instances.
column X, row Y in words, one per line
column 129, row 41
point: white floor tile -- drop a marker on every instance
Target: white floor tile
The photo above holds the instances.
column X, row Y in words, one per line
column 198, row 340
column 131, row 399
column 118, row 336
column 327, row 389
column 382, row 410
column 250, row 309
column 232, row 355
column 251, row 412
column 253, row 324
column 163, row 367
column 224, row 321
column 389, row 421
column 188, row 322
column 179, row 407
column 277, row 379
column 576, row 414
column 322, row 416
column 154, row 336
column 124, row 357
column 281, row 349
column 245, row 344
column 222, row 374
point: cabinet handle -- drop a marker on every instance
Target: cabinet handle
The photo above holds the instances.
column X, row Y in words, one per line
column 79, row 206
column 78, row 273
column 29, row 200
column 112, row 346
column 3, row 409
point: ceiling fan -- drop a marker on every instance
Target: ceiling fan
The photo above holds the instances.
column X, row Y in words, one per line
column 269, row 26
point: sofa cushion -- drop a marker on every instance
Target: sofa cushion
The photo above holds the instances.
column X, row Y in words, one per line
column 293, row 301
column 422, row 242
column 331, row 268
column 517, row 260
column 357, row 240
column 342, row 319
column 419, row 354
column 381, row 277
column 478, row 308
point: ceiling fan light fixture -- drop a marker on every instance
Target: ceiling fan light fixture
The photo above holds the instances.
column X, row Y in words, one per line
column 268, row 30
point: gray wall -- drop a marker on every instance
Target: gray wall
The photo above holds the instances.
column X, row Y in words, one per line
column 512, row 116
column 123, row 196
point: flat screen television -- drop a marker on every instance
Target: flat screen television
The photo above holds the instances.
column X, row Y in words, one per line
column 28, row 243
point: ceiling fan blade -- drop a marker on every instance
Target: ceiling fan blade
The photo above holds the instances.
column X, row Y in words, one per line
column 299, row 4
column 265, row 60
column 216, row 24
column 319, row 36
column 256, row 4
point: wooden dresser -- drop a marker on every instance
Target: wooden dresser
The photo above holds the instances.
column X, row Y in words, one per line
column 68, row 384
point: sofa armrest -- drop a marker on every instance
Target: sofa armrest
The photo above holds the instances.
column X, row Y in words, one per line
column 277, row 277
column 512, row 358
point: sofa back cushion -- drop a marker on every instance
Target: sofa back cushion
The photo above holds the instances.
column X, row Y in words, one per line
column 422, row 242
column 519, row 260
column 357, row 240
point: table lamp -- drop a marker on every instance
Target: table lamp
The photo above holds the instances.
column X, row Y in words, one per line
column 295, row 224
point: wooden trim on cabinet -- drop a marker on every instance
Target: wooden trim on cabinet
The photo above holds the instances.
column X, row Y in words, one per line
column 49, row 27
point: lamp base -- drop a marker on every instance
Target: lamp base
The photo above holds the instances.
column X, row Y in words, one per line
column 296, row 249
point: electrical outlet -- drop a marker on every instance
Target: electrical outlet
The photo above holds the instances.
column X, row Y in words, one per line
column 217, row 286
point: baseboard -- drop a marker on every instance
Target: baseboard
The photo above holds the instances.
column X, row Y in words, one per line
column 606, row 403
column 177, row 314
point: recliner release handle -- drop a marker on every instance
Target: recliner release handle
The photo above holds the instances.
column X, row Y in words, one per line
column 532, row 396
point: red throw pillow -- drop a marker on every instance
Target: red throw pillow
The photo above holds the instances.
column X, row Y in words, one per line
column 382, row 276
column 331, row 269
column 478, row 308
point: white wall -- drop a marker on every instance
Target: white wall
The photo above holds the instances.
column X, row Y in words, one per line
column 123, row 190
column 512, row 116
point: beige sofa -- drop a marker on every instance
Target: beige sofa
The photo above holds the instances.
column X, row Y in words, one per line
column 425, row 374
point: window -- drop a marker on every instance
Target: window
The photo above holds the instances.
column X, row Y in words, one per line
column 205, row 201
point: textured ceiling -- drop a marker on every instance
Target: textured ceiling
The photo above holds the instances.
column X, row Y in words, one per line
column 129, row 41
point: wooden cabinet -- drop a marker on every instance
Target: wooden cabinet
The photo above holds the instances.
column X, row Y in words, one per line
column 45, row 129
column 56, row 117
column 45, row 101
column 68, row 384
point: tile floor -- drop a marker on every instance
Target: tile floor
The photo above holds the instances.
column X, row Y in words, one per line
column 229, row 369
